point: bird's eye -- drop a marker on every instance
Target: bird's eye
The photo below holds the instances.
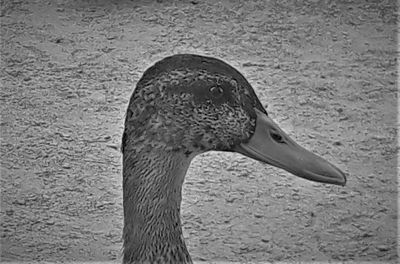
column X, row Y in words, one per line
column 216, row 91
column 278, row 138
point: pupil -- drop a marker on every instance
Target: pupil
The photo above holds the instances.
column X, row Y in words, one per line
column 277, row 137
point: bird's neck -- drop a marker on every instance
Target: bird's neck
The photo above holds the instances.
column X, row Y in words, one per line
column 152, row 186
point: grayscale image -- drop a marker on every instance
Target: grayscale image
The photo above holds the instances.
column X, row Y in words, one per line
column 199, row 131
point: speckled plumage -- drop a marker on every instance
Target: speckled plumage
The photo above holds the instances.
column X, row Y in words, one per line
column 182, row 106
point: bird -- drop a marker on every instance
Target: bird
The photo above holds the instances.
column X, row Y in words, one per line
column 182, row 106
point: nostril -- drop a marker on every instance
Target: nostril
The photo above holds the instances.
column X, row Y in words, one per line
column 278, row 138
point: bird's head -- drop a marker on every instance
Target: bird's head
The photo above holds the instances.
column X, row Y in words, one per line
column 193, row 104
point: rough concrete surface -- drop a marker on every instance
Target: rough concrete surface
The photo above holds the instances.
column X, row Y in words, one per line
column 326, row 69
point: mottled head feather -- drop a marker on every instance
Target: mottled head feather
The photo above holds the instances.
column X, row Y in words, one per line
column 190, row 103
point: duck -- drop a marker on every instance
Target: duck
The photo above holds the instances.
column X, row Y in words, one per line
column 182, row 106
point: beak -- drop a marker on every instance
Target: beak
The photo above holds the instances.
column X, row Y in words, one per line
column 271, row 145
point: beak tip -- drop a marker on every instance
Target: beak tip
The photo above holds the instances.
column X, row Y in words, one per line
column 344, row 181
column 341, row 179
column 329, row 175
column 342, row 184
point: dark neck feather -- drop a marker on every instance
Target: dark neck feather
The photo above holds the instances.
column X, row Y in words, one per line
column 152, row 186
